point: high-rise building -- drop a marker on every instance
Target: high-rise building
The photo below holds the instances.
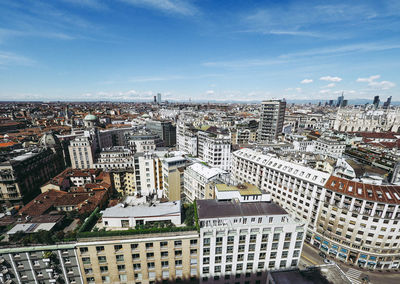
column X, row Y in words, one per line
column 386, row 104
column 376, row 101
column 159, row 98
column 272, row 116
column 340, row 100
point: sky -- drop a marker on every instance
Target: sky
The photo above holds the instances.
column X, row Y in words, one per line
column 129, row 50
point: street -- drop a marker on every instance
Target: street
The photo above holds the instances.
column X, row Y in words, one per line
column 310, row 257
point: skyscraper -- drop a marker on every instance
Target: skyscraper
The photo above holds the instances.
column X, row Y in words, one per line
column 340, row 100
column 272, row 116
column 376, row 101
column 159, row 98
column 386, row 104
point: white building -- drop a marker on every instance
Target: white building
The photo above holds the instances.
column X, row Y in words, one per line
column 330, row 146
column 242, row 192
column 240, row 241
column 117, row 157
column 353, row 221
column 272, row 116
column 135, row 213
column 198, row 180
column 217, row 152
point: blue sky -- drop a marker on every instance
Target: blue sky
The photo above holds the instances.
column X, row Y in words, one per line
column 208, row 50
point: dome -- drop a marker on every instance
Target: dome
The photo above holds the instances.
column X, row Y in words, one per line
column 90, row 117
column 49, row 140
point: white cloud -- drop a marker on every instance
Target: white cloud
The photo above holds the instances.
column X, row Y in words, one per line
column 331, row 79
column 210, row 92
column 306, row 81
column 372, row 82
column 9, row 58
column 331, row 85
column 169, row 6
column 298, row 90
column 324, row 91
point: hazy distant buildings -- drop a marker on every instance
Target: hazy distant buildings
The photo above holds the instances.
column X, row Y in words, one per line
column 376, row 101
column 386, row 104
column 159, row 98
column 272, row 116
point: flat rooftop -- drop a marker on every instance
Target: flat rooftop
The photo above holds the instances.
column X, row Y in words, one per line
column 243, row 189
column 211, row 208
column 206, row 171
column 142, row 210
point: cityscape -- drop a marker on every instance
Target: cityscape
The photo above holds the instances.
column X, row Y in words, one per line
column 167, row 141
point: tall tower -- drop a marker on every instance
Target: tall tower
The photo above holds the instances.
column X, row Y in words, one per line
column 159, row 98
column 272, row 116
column 376, row 101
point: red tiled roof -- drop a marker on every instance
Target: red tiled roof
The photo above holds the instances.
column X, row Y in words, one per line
column 378, row 193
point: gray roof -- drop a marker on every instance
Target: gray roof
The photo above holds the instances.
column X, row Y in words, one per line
column 142, row 210
column 218, row 209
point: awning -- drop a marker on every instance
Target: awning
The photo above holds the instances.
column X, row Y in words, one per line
column 335, row 246
column 363, row 255
column 326, row 242
column 362, row 261
column 372, row 257
column 343, row 250
column 343, row 255
column 317, row 238
column 324, row 247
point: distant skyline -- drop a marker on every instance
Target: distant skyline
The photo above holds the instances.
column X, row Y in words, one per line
column 130, row 50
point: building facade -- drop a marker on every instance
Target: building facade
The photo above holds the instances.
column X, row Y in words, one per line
column 241, row 241
column 272, row 116
column 353, row 221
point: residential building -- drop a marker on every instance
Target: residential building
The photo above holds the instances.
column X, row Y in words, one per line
column 351, row 220
column 330, row 146
column 272, row 116
column 22, row 175
column 241, row 241
column 141, row 258
column 173, row 177
column 198, row 180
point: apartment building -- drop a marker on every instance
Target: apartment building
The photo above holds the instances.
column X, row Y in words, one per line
column 240, row 241
column 144, row 258
column 330, row 146
column 353, row 221
column 82, row 152
column 143, row 142
column 144, row 176
column 117, row 157
column 198, row 180
column 272, row 116
column 216, row 151
column 173, row 177
column 40, row 264
column 186, row 139
column 22, row 175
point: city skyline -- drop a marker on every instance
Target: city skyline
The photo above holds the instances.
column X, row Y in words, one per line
column 130, row 50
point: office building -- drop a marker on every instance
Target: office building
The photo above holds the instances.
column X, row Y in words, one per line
column 272, row 116
column 240, row 241
column 164, row 129
column 376, row 101
column 353, row 221
column 173, row 177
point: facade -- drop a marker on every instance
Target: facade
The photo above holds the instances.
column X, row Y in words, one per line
column 40, row 264
column 143, row 142
column 241, row 241
column 117, row 157
column 144, row 176
column 145, row 258
column 330, row 146
column 198, row 181
column 217, row 152
column 82, row 152
column 367, row 120
column 165, row 130
column 353, row 221
column 22, row 176
column 272, row 116
column 173, row 177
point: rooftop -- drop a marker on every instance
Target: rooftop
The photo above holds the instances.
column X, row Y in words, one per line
column 244, row 189
column 140, row 210
column 219, row 209
column 206, row 171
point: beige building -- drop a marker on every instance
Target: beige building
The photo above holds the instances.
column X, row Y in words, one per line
column 145, row 177
column 173, row 169
column 146, row 259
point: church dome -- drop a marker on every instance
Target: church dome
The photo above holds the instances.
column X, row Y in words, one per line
column 90, row 117
column 49, row 139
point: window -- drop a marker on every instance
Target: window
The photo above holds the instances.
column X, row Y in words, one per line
column 119, row 257
column 178, row 243
column 134, row 246
column 123, row 278
column 178, row 262
column 164, row 254
column 117, row 247
column 135, row 256
column 150, row 265
column 103, row 269
column 86, row 260
column 163, row 244
column 102, row 259
column 136, row 266
column 84, row 250
column 100, row 248
column 149, row 245
column 121, row 267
